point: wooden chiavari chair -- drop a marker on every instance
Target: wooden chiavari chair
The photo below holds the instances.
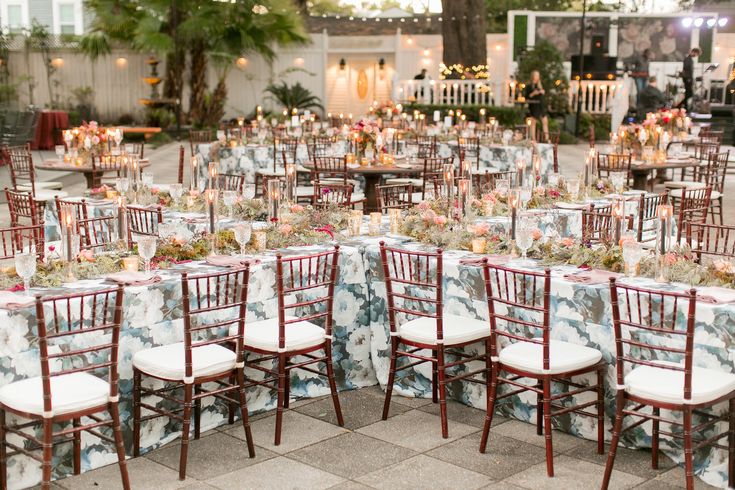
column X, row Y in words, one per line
column 654, row 332
column 598, row 225
column 432, row 172
column 717, row 241
column 413, row 282
column 231, row 182
column 426, row 146
column 486, row 181
column 97, row 233
column 304, row 193
column 397, row 196
column 715, row 177
column 333, row 170
column 469, row 149
column 205, row 136
column 181, row 165
column 23, row 175
column 211, row 354
column 693, row 207
column 136, row 149
column 520, row 313
column 320, row 146
column 78, row 381
column 303, row 328
column 23, row 206
column 328, row 193
column 608, row 163
column 143, row 221
column 81, row 211
column 21, row 238
column 648, row 217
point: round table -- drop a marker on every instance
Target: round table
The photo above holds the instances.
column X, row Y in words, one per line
column 640, row 171
column 93, row 176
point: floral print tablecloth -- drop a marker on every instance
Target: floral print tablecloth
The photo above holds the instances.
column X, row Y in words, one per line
column 361, row 349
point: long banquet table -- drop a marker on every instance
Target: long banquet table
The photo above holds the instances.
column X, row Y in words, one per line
column 361, row 346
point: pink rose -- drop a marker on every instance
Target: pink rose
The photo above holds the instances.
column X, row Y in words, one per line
column 96, row 140
column 440, row 220
column 537, row 234
column 670, row 258
column 424, row 206
column 297, row 208
column 481, row 229
column 428, row 215
column 285, row 229
column 567, row 241
column 490, row 196
column 540, row 190
column 87, row 255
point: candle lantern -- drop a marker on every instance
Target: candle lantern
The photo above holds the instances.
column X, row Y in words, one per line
column 665, row 213
column 291, row 183
column 536, row 160
column 122, row 222
column 69, row 239
column 212, row 174
column 465, row 172
column 135, row 178
column 274, row 199
column 589, row 169
column 520, row 169
column 194, row 174
column 448, row 181
column 464, row 192
column 514, row 201
column 394, row 215
column 618, row 214
column 211, row 195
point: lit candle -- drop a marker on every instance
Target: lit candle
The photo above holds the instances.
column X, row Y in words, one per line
column 464, row 191
column 260, row 239
column 478, row 245
column 465, row 172
column 394, row 216
column 482, row 116
column 122, row 226
column 618, row 214
column 131, row 264
column 514, row 199
column 520, row 168
column 274, row 199
column 212, row 172
column 536, row 159
column 211, row 206
column 448, row 180
column 664, row 212
column 291, row 183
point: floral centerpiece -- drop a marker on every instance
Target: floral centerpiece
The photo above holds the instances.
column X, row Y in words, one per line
column 88, row 139
column 365, row 133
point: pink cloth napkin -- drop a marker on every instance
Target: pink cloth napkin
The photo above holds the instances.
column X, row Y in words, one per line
column 230, row 261
column 133, row 278
column 492, row 259
column 592, row 276
column 716, row 295
column 13, row 301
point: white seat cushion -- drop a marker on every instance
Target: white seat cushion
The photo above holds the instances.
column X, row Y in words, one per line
column 49, row 194
column 405, row 180
column 69, row 393
column 357, row 196
column 678, row 184
column 269, row 172
column 47, row 184
column 263, row 335
column 167, row 361
column 563, row 356
column 667, row 385
column 304, row 191
column 677, row 193
column 457, row 330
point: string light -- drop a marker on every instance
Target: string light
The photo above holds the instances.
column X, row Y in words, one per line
column 477, row 71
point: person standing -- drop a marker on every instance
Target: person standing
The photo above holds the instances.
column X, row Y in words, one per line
column 640, row 71
column 536, row 97
column 687, row 74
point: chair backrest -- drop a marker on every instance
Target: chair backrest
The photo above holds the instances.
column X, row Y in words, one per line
column 320, row 146
column 518, row 306
column 413, row 284
column 716, row 171
column 426, row 146
column 303, row 278
column 598, row 225
column 693, row 208
column 21, row 238
column 330, row 167
column 469, row 149
column 136, row 149
column 328, row 193
column 649, row 328
column 711, row 240
column 22, row 205
column 143, row 221
column 613, row 162
column 78, row 205
column 231, row 182
column 98, row 232
column 196, row 137
column 433, row 167
column 181, row 164
column 397, row 196
column 703, row 149
column 212, row 304
column 20, row 160
column 648, row 217
column 79, row 333
column 485, row 182
column 284, row 151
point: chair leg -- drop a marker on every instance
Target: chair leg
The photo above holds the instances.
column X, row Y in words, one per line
column 730, row 446
column 188, row 389
column 3, row 452
column 434, row 379
column 600, row 412
column 287, row 386
column 391, row 377
column 197, row 413
column 547, row 427
column 119, row 445
column 244, row 412
column 688, row 456
column 281, row 392
column 48, row 453
column 77, row 447
column 490, row 411
column 617, row 428
column 654, row 439
column 333, row 383
column 136, row 413
column 442, row 391
column 232, row 405
column 539, row 410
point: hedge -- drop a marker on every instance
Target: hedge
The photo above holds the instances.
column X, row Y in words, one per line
column 506, row 116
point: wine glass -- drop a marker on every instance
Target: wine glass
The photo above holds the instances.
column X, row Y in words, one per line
column 618, row 180
column 147, row 179
column 502, row 186
column 573, row 188
column 243, row 231
column 524, row 237
column 60, row 151
column 229, row 198
column 118, row 137
column 554, row 180
column 176, row 191
column 122, row 184
column 526, row 194
column 147, row 249
column 25, row 266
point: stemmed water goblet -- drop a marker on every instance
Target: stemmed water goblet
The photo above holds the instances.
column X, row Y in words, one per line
column 632, row 255
column 229, row 198
column 25, row 266
column 618, row 181
column 524, row 237
column 60, row 151
column 243, row 231
column 573, row 188
column 147, row 249
column 176, row 191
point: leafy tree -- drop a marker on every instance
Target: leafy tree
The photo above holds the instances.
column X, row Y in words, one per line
column 548, row 60
column 293, row 97
column 463, row 24
column 497, row 10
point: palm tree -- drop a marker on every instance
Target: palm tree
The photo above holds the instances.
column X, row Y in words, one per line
column 293, row 97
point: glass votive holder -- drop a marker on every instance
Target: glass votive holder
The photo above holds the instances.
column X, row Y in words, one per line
column 394, row 215
column 260, row 240
column 374, row 229
column 355, row 223
column 478, row 245
column 364, row 161
column 376, row 218
column 131, row 264
column 350, row 158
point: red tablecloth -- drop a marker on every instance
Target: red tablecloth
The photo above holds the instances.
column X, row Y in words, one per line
column 48, row 131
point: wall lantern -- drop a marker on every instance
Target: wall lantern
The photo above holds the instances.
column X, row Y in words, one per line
column 342, row 64
column 241, row 62
column 57, row 62
column 121, row 62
